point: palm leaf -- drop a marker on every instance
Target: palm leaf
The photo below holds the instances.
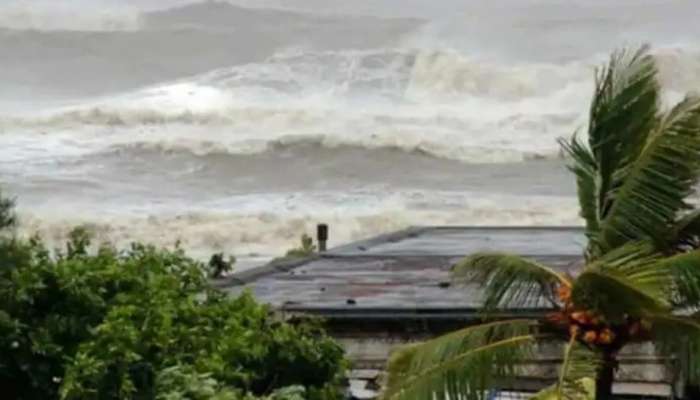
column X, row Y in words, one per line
column 585, row 168
column 509, row 279
column 578, row 370
column 577, row 373
column 686, row 232
column 678, row 339
column 627, row 281
column 461, row 365
column 684, row 270
column 623, row 114
column 579, row 363
column 628, row 256
column 615, row 295
column 653, row 189
column 550, row 393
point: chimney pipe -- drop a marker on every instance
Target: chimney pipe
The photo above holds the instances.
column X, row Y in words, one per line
column 322, row 237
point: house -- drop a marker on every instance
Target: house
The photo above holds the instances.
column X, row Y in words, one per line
column 395, row 289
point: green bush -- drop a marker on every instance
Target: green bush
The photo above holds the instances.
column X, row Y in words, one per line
column 145, row 324
column 306, row 248
column 218, row 265
column 7, row 215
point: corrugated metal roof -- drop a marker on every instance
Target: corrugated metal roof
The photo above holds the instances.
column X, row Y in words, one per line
column 405, row 272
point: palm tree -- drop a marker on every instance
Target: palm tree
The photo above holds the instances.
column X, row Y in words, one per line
column 641, row 278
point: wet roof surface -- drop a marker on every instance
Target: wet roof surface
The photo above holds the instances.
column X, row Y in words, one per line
column 460, row 241
column 403, row 271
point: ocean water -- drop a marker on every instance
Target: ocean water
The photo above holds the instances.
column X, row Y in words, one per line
column 237, row 126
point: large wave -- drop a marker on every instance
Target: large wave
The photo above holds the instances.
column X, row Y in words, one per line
column 441, row 103
column 86, row 48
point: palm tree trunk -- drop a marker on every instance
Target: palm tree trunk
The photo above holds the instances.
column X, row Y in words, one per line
column 606, row 377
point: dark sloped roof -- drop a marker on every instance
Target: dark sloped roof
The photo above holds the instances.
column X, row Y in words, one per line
column 404, row 273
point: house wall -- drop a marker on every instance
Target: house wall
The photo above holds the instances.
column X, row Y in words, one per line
column 641, row 371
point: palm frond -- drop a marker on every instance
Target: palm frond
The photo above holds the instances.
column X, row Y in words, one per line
column 585, row 167
column 627, row 281
column 587, row 386
column 624, row 106
column 678, row 339
column 628, row 256
column 577, row 373
column 579, row 363
column 652, row 190
column 461, row 365
column 623, row 114
column 686, row 232
column 677, row 277
column 615, row 295
column 509, row 279
column 684, row 270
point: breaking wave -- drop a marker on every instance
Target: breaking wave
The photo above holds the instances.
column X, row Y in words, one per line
column 267, row 234
column 439, row 103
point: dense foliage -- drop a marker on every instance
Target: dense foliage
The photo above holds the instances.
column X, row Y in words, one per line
column 636, row 174
column 145, row 324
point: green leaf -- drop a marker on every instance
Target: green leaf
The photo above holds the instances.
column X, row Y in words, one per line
column 550, row 393
column 684, row 270
column 579, row 363
column 509, row 279
column 652, row 190
column 463, row 364
column 686, row 231
column 627, row 281
column 678, row 339
column 585, row 167
column 623, row 114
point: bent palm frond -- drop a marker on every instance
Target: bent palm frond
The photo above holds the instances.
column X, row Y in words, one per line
column 652, row 190
column 678, row 339
column 628, row 257
column 579, row 363
column 627, row 281
column 684, row 270
column 585, row 168
column 577, row 373
column 622, row 116
column 509, row 279
column 550, row 393
column 686, row 232
column 461, row 365
column 623, row 110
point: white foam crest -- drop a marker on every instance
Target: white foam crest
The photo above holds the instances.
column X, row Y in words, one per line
column 59, row 15
column 451, row 75
column 412, row 75
column 515, row 140
column 388, row 80
column 269, row 234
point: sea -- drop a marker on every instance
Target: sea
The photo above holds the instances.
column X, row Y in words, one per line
column 236, row 126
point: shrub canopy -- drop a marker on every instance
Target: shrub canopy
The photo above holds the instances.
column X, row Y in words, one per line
column 145, row 324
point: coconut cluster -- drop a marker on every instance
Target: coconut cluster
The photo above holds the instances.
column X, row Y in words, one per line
column 592, row 328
